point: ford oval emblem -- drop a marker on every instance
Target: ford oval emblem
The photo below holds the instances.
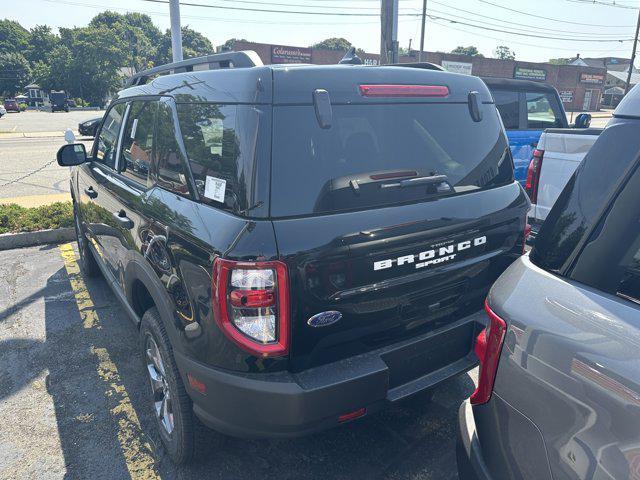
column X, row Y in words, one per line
column 324, row 319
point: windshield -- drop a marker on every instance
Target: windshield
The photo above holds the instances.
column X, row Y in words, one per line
column 376, row 155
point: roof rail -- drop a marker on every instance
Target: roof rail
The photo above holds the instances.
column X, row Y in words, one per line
column 423, row 65
column 242, row 59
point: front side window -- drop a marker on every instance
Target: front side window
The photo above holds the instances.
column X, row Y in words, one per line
column 507, row 103
column 543, row 111
column 107, row 141
column 137, row 141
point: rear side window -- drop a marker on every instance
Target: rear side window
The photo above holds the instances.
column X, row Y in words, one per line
column 610, row 260
column 543, row 111
column 107, row 141
column 508, row 105
column 376, row 155
column 171, row 172
column 137, row 141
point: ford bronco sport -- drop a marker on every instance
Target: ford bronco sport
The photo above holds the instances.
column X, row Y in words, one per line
column 299, row 246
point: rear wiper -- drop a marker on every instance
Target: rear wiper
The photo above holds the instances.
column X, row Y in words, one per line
column 415, row 181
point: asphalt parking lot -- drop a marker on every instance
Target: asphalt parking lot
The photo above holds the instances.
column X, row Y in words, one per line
column 33, row 121
column 74, row 399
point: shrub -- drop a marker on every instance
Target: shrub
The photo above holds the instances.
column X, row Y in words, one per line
column 14, row 218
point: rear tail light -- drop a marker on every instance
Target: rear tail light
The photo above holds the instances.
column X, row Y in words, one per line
column 404, row 90
column 533, row 175
column 488, row 347
column 251, row 305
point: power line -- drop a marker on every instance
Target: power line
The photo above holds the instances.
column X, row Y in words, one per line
column 594, row 35
column 289, row 12
column 552, row 19
column 607, row 4
column 529, row 35
column 446, row 25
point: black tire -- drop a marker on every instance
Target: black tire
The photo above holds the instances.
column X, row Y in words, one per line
column 88, row 264
column 188, row 437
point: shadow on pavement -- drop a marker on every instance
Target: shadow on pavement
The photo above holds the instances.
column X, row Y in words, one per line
column 414, row 439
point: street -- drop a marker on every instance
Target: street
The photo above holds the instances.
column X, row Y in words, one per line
column 73, row 386
column 34, row 121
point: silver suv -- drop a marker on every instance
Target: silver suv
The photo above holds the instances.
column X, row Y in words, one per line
column 559, row 386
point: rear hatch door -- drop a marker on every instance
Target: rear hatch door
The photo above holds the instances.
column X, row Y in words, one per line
column 399, row 215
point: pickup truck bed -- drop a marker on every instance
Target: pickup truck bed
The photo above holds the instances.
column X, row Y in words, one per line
column 564, row 149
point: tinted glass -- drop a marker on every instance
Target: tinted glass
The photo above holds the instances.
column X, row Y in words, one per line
column 375, row 155
column 508, row 105
column 543, row 111
column 108, row 138
column 610, row 260
column 586, row 195
column 171, row 172
column 137, row 141
column 221, row 157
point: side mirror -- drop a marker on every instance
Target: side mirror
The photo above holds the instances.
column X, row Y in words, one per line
column 583, row 120
column 71, row 155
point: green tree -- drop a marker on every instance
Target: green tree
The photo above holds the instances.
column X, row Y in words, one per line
column 41, row 43
column 97, row 54
column 231, row 43
column 14, row 38
column 14, row 73
column 504, row 53
column 333, row 43
column 194, row 44
column 560, row 61
column 470, row 51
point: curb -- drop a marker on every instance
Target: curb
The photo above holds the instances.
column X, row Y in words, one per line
column 9, row 241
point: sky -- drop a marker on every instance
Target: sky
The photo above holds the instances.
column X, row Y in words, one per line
column 578, row 26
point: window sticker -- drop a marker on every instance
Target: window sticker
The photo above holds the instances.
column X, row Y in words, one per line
column 214, row 188
column 134, row 127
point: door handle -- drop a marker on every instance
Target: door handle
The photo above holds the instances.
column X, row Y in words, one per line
column 91, row 193
column 122, row 219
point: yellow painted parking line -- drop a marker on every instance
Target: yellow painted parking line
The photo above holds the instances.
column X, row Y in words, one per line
column 137, row 453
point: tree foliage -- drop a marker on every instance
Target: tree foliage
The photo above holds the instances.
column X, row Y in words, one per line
column 194, row 44
column 504, row 53
column 333, row 43
column 87, row 62
column 560, row 61
column 470, row 51
column 14, row 38
column 14, row 73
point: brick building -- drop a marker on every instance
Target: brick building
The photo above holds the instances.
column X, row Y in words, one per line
column 580, row 86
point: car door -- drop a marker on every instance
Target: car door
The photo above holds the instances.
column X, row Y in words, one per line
column 92, row 174
column 124, row 191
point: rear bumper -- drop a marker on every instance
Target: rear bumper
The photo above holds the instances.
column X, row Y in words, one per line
column 471, row 465
column 288, row 404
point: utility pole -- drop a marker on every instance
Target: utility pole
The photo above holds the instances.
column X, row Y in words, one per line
column 176, row 32
column 633, row 56
column 389, row 36
column 424, row 22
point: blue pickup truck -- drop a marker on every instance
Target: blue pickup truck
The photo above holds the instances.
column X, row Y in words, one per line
column 527, row 109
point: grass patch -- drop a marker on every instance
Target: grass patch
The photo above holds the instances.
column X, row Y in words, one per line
column 14, row 218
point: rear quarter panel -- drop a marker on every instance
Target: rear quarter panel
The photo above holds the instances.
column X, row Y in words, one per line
column 571, row 365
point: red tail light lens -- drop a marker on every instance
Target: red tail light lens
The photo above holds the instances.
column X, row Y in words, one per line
column 251, row 305
column 488, row 347
column 404, row 90
column 533, row 175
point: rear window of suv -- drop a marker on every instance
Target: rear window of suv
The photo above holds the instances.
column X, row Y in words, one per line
column 382, row 154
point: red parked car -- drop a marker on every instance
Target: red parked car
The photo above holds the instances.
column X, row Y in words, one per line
column 11, row 105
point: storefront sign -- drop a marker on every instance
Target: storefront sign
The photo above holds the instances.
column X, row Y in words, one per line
column 457, row 67
column 525, row 73
column 591, row 78
column 566, row 96
column 370, row 61
column 283, row 54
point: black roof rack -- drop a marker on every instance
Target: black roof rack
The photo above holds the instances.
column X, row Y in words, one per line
column 242, row 59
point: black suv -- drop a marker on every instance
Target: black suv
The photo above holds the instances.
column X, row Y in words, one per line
column 299, row 245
